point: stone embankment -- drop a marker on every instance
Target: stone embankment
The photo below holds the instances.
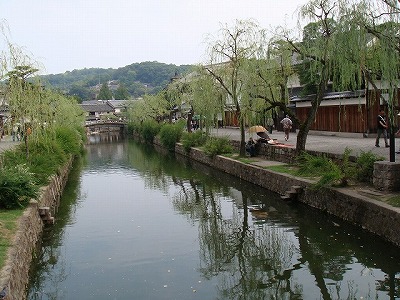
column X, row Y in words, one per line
column 14, row 276
column 348, row 204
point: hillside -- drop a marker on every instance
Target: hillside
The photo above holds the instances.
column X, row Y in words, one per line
column 137, row 79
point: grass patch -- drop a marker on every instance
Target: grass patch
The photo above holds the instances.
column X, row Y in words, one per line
column 286, row 169
column 245, row 160
column 394, row 201
column 8, row 227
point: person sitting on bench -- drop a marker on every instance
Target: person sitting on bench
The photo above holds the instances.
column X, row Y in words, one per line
column 251, row 147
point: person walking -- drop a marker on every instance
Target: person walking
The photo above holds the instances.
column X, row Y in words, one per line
column 287, row 125
column 382, row 129
column 270, row 124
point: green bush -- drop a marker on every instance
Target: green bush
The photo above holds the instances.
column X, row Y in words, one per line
column 365, row 165
column 319, row 166
column 17, row 186
column 69, row 139
column 170, row 134
column 193, row 139
column 310, row 165
column 149, row 129
column 46, row 156
column 21, row 176
column 347, row 168
column 45, row 159
column 217, row 145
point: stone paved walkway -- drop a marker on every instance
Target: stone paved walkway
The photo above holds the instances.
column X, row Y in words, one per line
column 7, row 143
column 329, row 143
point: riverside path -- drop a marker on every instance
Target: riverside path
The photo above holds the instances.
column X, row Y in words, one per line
column 7, row 143
column 334, row 143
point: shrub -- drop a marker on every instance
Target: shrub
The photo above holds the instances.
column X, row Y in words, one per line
column 17, row 186
column 310, row 165
column 319, row 166
column 69, row 139
column 217, row 145
column 149, row 130
column 193, row 139
column 346, row 168
column 45, row 158
column 170, row 134
column 365, row 165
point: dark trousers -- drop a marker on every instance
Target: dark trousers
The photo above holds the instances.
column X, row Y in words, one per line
column 381, row 131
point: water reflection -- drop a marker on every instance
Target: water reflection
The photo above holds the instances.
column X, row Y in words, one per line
column 185, row 231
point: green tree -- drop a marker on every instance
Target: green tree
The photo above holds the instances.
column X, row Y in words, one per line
column 80, row 92
column 347, row 44
column 105, row 92
column 22, row 95
column 207, row 99
column 178, row 95
column 33, row 106
column 151, row 107
column 268, row 81
column 318, row 56
column 122, row 93
column 373, row 47
column 228, row 55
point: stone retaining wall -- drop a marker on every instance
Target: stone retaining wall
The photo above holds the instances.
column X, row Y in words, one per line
column 14, row 276
column 374, row 216
column 386, row 176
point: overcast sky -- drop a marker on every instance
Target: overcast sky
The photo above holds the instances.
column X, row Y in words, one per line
column 73, row 34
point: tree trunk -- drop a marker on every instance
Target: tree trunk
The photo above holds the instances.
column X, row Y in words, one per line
column 242, row 138
column 304, row 127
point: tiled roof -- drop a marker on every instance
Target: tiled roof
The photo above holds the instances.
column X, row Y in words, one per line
column 118, row 103
column 331, row 96
column 96, row 106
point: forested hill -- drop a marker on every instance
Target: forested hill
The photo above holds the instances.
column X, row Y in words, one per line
column 137, row 79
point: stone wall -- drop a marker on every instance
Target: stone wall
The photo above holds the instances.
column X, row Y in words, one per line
column 386, row 176
column 285, row 154
column 14, row 276
column 374, row 216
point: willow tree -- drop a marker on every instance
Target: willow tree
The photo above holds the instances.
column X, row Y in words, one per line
column 151, row 107
column 228, row 55
column 268, row 79
column 346, row 44
column 24, row 97
column 17, row 69
column 207, row 99
column 370, row 33
column 316, row 55
column 39, row 111
column 177, row 95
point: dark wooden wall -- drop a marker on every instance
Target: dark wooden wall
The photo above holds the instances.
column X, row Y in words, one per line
column 345, row 118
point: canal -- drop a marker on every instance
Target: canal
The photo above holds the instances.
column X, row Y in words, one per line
column 138, row 224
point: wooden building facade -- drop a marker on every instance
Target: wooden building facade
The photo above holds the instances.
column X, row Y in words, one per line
column 348, row 112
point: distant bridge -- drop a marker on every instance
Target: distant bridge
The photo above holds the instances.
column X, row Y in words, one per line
column 105, row 126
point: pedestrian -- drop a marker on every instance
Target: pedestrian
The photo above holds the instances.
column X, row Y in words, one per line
column 270, row 124
column 397, row 134
column 381, row 129
column 287, row 126
column 14, row 132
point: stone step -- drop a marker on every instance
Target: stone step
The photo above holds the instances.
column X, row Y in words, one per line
column 286, row 198
column 44, row 210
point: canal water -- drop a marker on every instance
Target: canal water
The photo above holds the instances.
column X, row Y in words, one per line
column 138, row 224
